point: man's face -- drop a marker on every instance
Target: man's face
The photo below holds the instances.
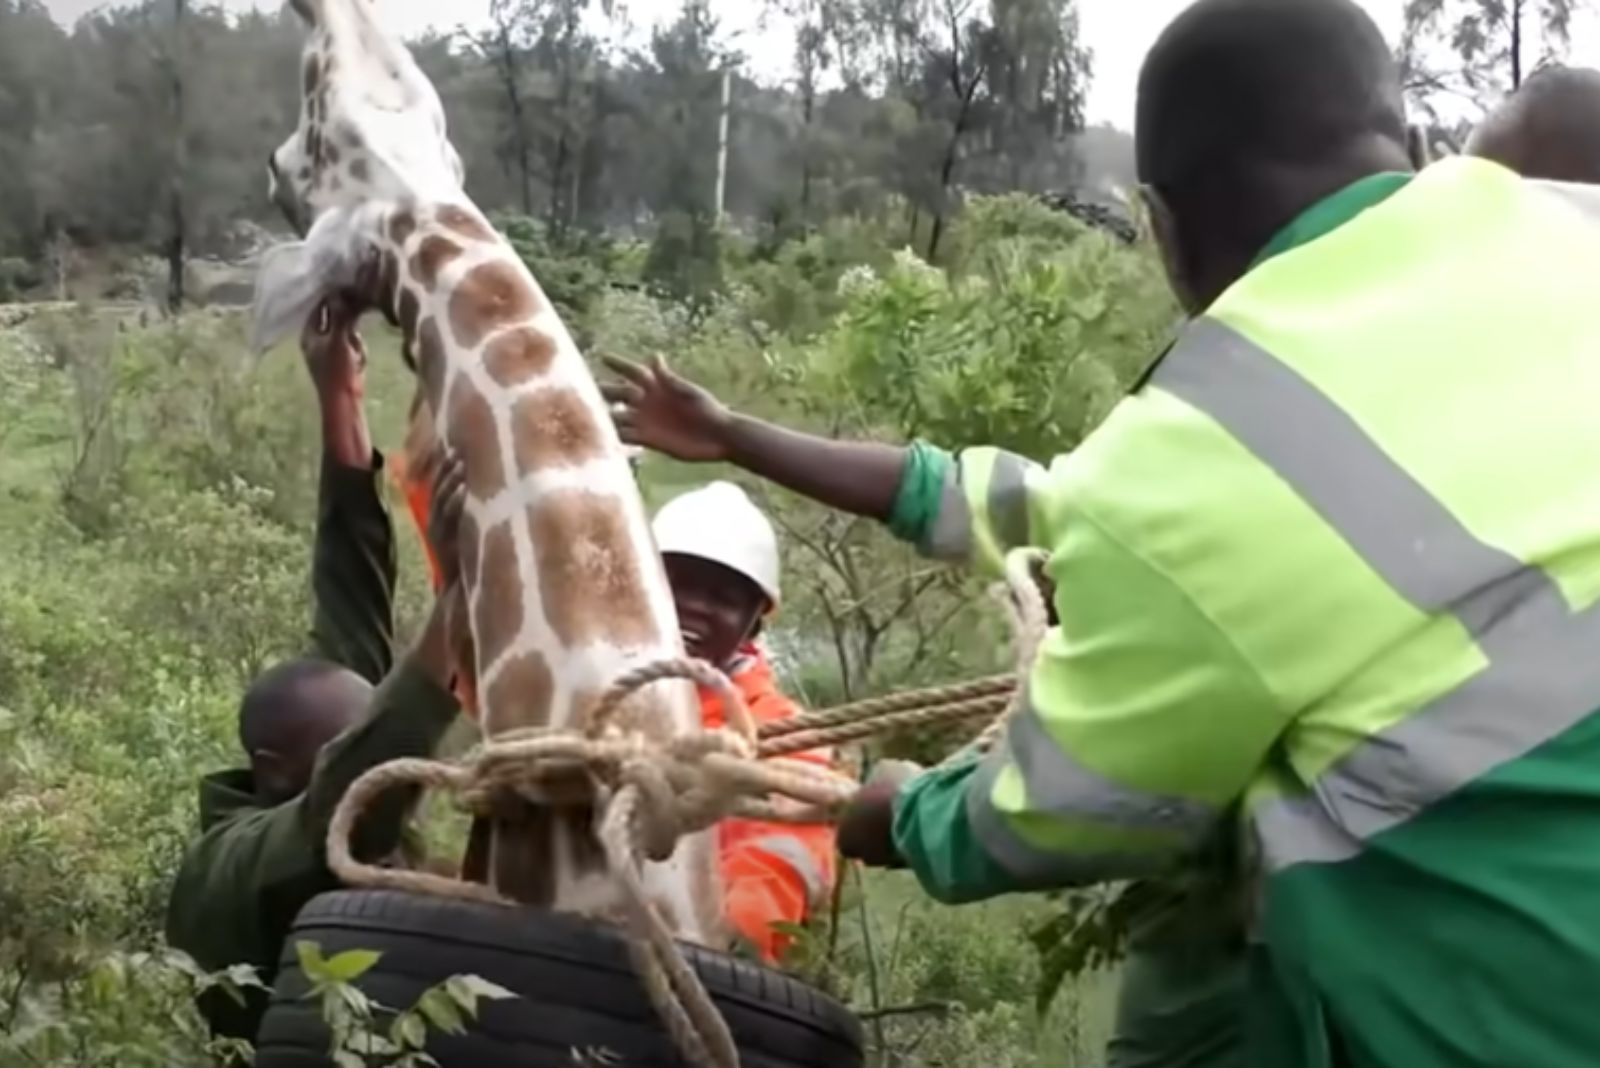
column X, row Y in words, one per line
column 324, row 709
column 718, row 608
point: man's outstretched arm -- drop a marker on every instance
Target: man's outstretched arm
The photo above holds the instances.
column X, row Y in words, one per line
column 353, row 566
column 659, row 410
column 969, row 508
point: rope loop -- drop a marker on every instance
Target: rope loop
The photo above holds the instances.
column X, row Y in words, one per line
column 650, row 793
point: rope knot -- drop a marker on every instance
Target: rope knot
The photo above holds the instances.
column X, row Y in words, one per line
column 657, row 822
column 649, row 793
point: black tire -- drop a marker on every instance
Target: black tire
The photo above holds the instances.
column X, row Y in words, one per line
column 575, row 983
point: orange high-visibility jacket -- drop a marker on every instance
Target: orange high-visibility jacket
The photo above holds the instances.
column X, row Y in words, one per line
column 772, row 873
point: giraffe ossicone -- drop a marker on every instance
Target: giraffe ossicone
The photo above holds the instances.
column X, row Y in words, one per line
column 566, row 590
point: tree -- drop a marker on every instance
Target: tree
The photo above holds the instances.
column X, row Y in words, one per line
column 503, row 45
column 571, row 55
column 1466, row 54
column 1038, row 83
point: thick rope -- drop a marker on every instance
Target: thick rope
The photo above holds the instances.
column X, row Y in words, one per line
column 652, row 792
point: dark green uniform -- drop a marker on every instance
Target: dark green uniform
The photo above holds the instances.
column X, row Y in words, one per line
column 255, row 866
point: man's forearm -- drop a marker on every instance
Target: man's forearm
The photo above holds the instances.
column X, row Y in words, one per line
column 408, row 717
column 862, row 478
column 345, row 436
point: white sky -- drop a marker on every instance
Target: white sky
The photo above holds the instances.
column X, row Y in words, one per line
column 1119, row 32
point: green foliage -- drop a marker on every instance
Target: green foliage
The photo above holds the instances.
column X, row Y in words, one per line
column 363, row 1032
column 122, row 1009
column 685, row 261
column 575, row 270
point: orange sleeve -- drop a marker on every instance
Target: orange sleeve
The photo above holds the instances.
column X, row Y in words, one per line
column 774, row 873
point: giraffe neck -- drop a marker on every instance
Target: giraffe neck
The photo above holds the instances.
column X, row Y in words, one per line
column 566, row 589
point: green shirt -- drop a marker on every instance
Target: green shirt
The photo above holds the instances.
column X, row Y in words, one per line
column 1183, row 984
column 254, row 866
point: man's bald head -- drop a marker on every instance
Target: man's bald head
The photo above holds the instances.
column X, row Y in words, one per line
column 1549, row 128
column 289, row 713
column 1249, row 112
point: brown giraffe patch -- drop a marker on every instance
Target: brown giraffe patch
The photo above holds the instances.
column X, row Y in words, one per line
column 522, row 693
column 402, row 224
column 475, row 437
column 553, row 428
column 491, row 296
column 433, row 364
column 497, row 611
column 589, row 579
column 331, row 151
column 519, row 355
column 409, row 310
column 334, row 185
column 311, row 74
column 359, row 171
column 465, row 223
column 522, row 860
column 432, row 257
column 314, row 142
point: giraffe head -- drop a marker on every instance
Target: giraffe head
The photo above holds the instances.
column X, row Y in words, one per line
column 371, row 136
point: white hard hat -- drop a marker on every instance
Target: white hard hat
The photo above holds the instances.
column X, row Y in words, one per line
column 721, row 524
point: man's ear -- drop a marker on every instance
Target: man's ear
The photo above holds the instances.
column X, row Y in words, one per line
column 293, row 278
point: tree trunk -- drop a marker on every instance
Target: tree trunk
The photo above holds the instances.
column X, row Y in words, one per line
column 1516, row 45
column 519, row 128
column 722, row 145
column 809, row 105
column 947, row 171
column 177, row 235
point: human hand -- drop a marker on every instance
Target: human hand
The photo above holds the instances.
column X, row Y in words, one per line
column 333, row 351
column 866, row 830
column 659, row 410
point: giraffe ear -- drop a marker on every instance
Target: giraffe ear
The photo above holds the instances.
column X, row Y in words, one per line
column 294, row 277
column 286, row 294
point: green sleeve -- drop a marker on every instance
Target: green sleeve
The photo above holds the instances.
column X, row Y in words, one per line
column 241, row 885
column 933, row 836
column 1141, row 726
column 353, row 572
column 971, row 508
column 410, row 716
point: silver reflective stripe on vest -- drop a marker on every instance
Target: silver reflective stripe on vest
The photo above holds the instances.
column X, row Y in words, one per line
column 950, row 538
column 794, row 853
column 1539, row 686
column 1058, row 785
column 1543, row 673
column 1038, row 869
column 1403, row 533
column 1008, row 500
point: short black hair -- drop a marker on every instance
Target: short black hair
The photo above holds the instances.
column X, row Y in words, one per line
column 274, row 706
column 1237, row 93
column 1549, row 128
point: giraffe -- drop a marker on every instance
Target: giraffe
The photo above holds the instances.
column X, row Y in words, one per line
column 565, row 588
